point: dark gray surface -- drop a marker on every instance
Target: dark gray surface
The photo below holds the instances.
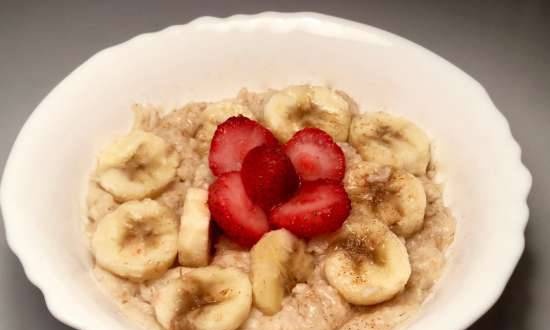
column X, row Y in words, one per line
column 503, row 44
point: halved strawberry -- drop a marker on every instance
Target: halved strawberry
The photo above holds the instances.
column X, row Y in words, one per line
column 315, row 155
column 233, row 139
column 239, row 218
column 268, row 176
column 319, row 207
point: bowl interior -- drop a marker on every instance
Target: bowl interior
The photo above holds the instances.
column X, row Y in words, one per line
column 44, row 183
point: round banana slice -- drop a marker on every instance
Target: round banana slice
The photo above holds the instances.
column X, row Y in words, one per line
column 137, row 241
column 278, row 261
column 148, row 289
column 193, row 240
column 136, row 166
column 369, row 265
column 386, row 139
column 391, row 195
column 297, row 107
column 204, row 299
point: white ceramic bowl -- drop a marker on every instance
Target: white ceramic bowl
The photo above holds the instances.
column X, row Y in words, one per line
column 211, row 58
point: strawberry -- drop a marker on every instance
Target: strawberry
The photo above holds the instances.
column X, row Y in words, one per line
column 315, row 155
column 268, row 176
column 239, row 218
column 233, row 139
column 319, row 207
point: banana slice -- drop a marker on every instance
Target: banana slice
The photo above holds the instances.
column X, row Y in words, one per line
column 136, row 166
column 215, row 114
column 193, row 240
column 297, row 107
column 386, row 139
column 369, row 265
column 205, row 298
column 148, row 290
column 391, row 195
column 137, row 241
column 278, row 261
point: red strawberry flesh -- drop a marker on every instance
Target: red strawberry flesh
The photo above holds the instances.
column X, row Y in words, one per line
column 319, row 207
column 232, row 141
column 268, row 176
column 315, row 155
column 232, row 209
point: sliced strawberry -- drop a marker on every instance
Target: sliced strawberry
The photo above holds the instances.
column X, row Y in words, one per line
column 268, row 176
column 319, row 207
column 315, row 155
column 233, row 139
column 239, row 218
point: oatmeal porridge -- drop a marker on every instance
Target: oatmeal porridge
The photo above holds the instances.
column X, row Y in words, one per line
column 286, row 209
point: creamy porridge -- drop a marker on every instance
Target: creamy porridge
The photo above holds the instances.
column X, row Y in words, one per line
column 364, row 254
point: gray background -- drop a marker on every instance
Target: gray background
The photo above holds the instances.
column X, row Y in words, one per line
column 503, row 44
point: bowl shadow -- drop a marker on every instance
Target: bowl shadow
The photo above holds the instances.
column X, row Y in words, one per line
column 511, row 310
